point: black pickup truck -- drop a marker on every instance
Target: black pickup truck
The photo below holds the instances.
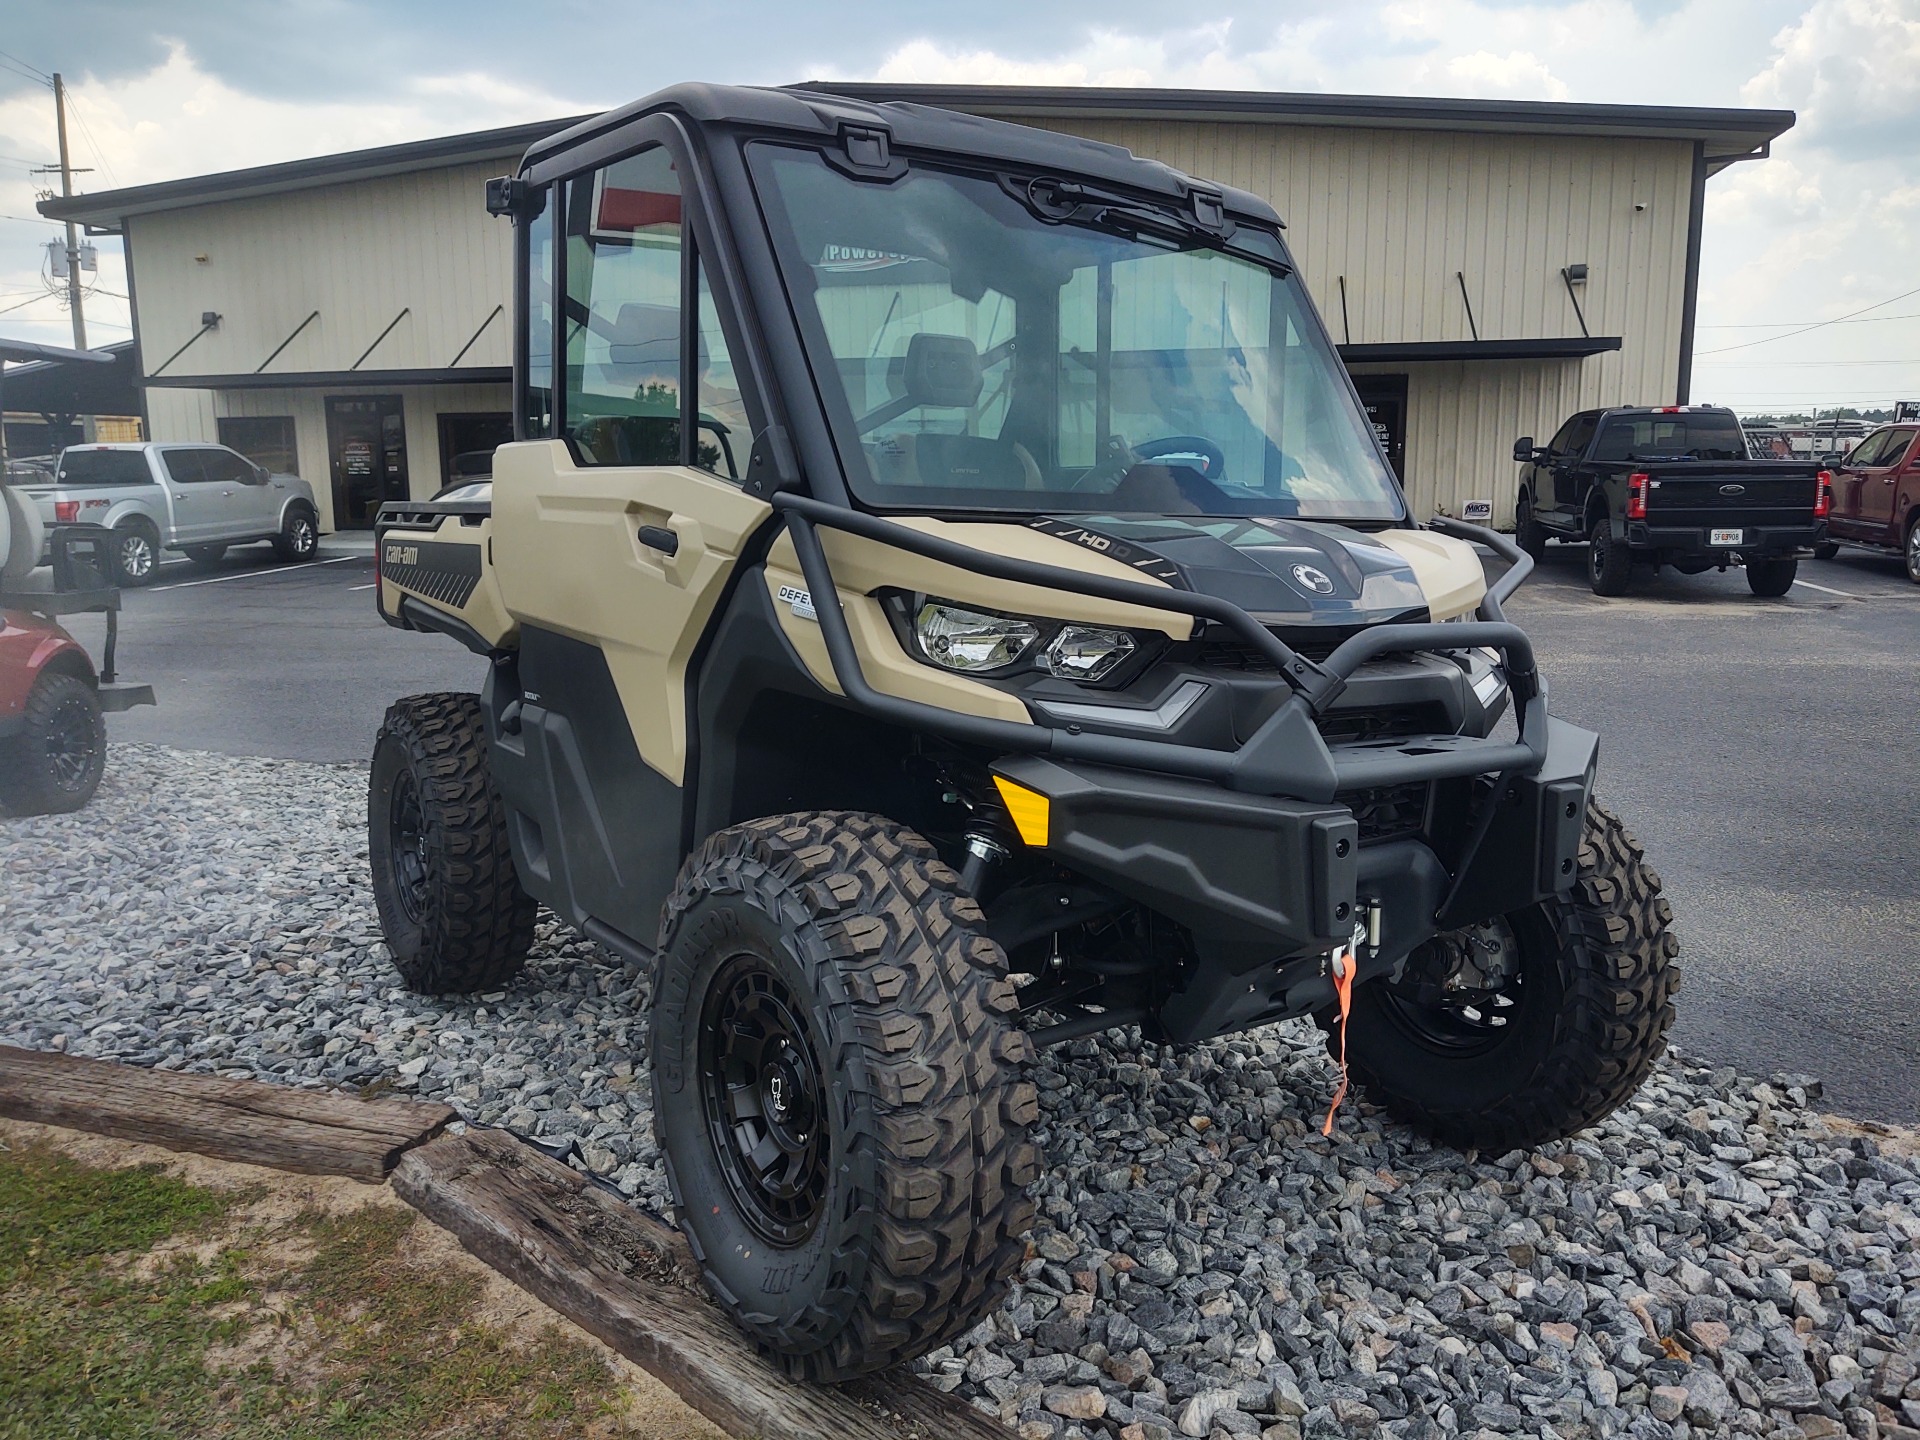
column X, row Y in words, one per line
column 1669, row 485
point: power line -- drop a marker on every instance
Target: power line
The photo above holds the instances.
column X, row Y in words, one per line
column 25, row 72
column 1776, row 324
column 34, row 69
column 92, row 144
column 1749, row 344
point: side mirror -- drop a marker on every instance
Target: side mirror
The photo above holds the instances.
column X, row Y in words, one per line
column 1523, row 449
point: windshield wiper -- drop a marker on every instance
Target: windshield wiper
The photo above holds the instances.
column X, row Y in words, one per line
column 1074, row 202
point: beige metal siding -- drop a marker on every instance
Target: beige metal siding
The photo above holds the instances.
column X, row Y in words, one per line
column 1400, row 213
column 356, row 253
column 179, row 414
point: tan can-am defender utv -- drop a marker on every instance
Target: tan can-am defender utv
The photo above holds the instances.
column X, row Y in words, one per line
column 945, row 599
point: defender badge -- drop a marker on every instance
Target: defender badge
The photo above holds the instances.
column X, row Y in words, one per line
column 1316, row 580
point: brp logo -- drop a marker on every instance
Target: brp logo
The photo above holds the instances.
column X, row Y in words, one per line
column 1312, row 578
column 1733, row 489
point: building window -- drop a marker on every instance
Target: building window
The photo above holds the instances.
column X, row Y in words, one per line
column 622, row 313
column 264, row 439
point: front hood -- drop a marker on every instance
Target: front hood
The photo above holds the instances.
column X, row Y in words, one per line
column 1282, row 572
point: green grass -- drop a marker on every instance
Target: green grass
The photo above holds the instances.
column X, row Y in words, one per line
column 344, row 1339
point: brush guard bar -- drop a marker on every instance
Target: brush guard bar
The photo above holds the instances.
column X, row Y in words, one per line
column 1286, row 755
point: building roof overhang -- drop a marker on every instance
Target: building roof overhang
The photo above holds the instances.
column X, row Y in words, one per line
column 1724, row 135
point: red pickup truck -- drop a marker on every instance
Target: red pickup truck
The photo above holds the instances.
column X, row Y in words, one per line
column 1876, row 496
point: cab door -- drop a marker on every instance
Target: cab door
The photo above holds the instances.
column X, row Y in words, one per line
column 1885, row 484
column 615, row 533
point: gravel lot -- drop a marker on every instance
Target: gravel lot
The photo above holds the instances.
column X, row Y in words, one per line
column 1715, row 1260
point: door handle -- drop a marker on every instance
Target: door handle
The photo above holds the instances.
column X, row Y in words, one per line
column 658, row 537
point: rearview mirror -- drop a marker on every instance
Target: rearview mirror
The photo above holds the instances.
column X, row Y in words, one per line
column 1523, row 449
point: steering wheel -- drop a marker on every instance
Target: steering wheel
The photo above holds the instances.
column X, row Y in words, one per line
column 1187, row 447
column 1109, row 469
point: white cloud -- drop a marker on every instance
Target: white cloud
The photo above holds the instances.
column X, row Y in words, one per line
column 1518, row 75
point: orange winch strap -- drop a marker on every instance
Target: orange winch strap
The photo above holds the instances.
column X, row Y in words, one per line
column 1344, row 964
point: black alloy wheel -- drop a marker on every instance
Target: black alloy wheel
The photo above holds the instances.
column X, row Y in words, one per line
column 766, row 1106
column 1532, row 1026
column 1465, row 1011
column 1609, row 563
column 407, row 837
column 54, row 763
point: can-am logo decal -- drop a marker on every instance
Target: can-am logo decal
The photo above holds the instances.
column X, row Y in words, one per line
column 1314, row 579
column 1733, row 489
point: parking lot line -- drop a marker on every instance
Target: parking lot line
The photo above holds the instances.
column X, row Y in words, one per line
column 352, row 588
column 253, row 574
column 1824, row 590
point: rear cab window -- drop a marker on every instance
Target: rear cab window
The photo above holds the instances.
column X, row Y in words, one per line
column 1701, row 436
column 103, row 467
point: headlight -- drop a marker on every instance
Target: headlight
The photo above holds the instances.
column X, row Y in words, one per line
column 1492, row 685
column 969, row 640
column 1086, row 653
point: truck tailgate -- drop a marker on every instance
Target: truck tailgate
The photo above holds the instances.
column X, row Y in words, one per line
column 1731, row 493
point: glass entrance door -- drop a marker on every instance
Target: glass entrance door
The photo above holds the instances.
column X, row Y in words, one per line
column 367, row 453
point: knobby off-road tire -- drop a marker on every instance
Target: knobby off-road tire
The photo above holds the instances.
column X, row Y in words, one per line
column 53, row 764
column 845, row 939
column 1609, row 562
column 1772, row 577
column 451, row 904
column 1595, row 998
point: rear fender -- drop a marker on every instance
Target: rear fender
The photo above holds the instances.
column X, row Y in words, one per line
column 29, row 647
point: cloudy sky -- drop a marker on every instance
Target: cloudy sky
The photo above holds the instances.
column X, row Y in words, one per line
column 1828, row 227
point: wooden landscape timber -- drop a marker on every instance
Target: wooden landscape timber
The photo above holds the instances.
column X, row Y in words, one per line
column 316, row 1132
column 615, row 1271
column 629, row 1279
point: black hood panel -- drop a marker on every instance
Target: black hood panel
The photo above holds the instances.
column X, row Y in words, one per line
column 1283, row 572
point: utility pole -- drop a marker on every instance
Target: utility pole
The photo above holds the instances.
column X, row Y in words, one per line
column 73, row 241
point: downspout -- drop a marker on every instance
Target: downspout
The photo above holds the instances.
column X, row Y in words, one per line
column 1690, row 295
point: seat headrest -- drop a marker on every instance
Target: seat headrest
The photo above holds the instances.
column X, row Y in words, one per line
column 942, row 370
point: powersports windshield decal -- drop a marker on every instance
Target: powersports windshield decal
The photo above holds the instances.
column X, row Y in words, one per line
column 1137, row 557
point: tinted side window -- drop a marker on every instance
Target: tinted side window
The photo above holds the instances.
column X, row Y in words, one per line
column 538, row 309
column 1869, row 450
column 1558, row 444
column 724, row 434
column 227, row 466
column 622, row 313
column 184, row 467
column 1898, row 452
column 1574, row 439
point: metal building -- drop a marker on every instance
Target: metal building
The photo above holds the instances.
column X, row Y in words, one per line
column 1488, row 267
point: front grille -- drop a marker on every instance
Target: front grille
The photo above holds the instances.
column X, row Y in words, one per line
column 1229, row 654
column 1346, row 727
column 1391, row 812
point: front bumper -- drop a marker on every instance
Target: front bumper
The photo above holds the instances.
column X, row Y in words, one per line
column 1268, row 886
column 1696, row 539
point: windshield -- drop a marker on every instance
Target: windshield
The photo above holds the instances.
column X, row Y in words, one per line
column 104, row 467
column 1704, row 436
column 992, row 359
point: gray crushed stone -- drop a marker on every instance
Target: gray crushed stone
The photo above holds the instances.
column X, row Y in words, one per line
column 1716, row 1259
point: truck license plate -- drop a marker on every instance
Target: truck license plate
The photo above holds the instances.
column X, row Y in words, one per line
column 1727, row 537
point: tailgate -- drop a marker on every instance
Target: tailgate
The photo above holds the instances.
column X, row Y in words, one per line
column 1732, row 494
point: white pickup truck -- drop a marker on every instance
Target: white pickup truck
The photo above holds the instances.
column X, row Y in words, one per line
column 196, row 498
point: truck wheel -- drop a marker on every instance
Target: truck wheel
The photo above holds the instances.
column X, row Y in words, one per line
column 53, row 764
column 1912, row 550
column 838, row 1090
column 1534, row 1025
column 1609, row 563
column 451, row 904
column 1528, row 533
column 136, row 553
column 299, row 537
column 1772, row 576
column 206, row 555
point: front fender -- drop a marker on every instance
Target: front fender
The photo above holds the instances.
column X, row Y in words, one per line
column 300, row 493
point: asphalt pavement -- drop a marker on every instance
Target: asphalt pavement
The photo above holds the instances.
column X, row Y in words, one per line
column 1766, row 751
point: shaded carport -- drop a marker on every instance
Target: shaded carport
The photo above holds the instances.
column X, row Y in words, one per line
column 62, row 385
